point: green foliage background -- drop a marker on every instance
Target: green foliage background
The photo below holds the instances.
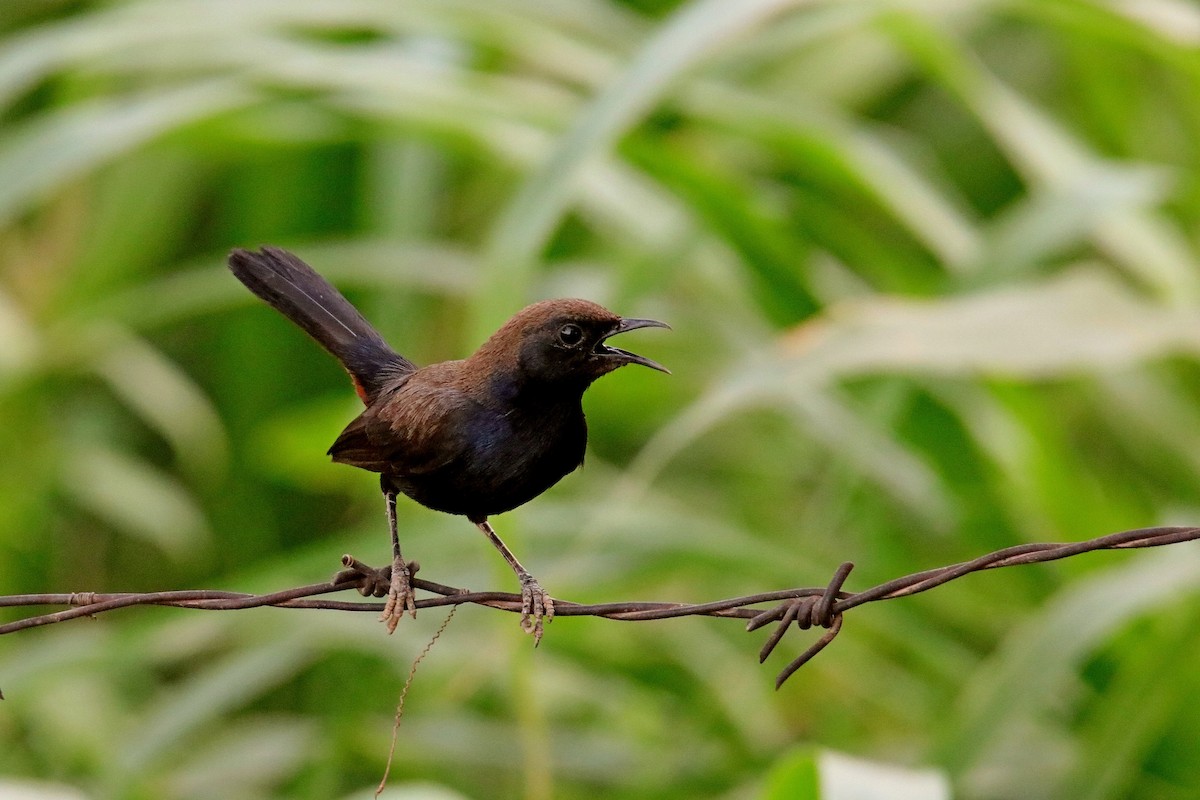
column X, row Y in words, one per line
column 934, row 273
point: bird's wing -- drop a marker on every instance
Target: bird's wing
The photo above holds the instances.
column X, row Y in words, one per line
column 417, row 429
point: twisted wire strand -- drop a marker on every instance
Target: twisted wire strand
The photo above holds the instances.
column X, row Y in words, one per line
column 803, row 608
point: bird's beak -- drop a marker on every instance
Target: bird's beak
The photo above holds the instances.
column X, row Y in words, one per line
column 625, row 356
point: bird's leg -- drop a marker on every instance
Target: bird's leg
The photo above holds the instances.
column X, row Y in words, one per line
column 536, row 605
column 400, row 593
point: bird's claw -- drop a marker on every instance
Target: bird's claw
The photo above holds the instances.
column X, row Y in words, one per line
column 369, row 583
column 366, row 580
column 537, row 607
column 400, row 596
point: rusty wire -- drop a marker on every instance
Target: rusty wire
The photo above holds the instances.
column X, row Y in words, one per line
column 804, row 608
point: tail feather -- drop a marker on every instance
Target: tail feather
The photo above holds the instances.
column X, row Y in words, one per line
column 296, row 290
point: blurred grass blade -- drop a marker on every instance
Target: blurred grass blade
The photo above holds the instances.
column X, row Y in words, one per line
column 414, row 790
column 13, row 789
column 875, row 155
column 1177, row 20
column 216, row 689
column 19, row 340
column 170, row 402
column 845, row 777
column 56, row 147
column 135, row 498
column 250, row 755
column 435, row 267
column 1050, row 222
column 1038, row 667
column 522, row 230
column 1049, row 156
column 830, row 775
column 1079, row 321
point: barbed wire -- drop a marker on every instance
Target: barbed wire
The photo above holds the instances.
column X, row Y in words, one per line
column 802, row 608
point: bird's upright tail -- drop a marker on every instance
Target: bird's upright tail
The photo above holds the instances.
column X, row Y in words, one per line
column 300, row 294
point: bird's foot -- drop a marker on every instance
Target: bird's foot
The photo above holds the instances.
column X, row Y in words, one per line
column 400, row 597
column 367, row 580
column 537, row 607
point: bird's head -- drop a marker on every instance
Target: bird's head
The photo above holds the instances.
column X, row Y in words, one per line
column 565, row 342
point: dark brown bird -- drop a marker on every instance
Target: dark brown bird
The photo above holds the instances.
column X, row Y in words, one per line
column 475, row 437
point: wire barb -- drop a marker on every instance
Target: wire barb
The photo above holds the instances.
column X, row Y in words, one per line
column 810, row 611
column 805, row 607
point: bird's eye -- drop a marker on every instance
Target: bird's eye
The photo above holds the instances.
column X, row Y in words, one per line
column 570, row 335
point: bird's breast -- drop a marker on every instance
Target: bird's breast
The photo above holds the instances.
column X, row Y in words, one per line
column 506, row 459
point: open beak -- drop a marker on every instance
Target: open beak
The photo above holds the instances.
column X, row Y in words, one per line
column 625, row 356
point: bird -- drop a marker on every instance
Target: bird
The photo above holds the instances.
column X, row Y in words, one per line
column 474, row 437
